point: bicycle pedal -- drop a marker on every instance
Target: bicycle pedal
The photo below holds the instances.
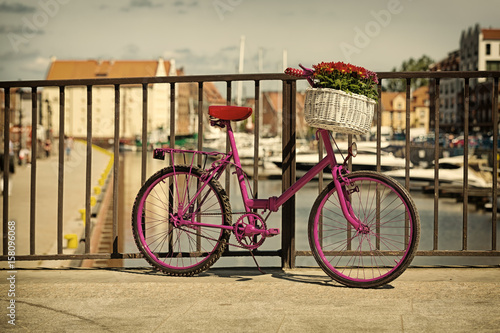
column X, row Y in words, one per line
column 273, row 232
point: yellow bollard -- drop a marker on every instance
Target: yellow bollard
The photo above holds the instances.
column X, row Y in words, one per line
column 72, row 241
column 82, row 213
column 97, row 190
column 93, row 201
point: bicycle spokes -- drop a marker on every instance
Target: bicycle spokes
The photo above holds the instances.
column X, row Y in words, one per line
column 384, row 244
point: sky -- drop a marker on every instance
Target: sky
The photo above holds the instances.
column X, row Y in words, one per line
column 204, row 36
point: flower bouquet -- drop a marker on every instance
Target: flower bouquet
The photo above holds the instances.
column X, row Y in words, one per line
column 342, row 97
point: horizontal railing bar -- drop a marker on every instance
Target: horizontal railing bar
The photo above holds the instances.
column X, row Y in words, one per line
column 436, row 253
column 26, row 257
column 148, row 80
column 429, row 253
column 234, row 77
column 438, row 75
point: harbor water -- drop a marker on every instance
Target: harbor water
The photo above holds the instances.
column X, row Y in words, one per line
column 449, row 228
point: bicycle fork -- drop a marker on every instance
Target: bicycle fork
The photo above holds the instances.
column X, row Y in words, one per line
column 341, row 184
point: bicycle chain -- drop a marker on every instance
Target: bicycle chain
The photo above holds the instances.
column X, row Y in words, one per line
column 217, row 240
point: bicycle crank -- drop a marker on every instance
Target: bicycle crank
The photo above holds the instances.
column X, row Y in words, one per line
column 251, row 231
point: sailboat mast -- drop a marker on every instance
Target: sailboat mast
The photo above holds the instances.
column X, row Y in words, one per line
column 240, row 70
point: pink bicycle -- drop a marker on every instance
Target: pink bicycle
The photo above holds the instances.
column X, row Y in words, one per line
column 363, row 228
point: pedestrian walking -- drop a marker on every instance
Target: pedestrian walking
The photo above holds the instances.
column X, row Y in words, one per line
column 68, row 144
column 47, row 147
column 12, row 168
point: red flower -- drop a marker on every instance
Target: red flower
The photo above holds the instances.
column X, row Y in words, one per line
column 339, row 75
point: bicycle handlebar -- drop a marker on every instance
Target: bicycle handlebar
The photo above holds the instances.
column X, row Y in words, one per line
column 302, row 73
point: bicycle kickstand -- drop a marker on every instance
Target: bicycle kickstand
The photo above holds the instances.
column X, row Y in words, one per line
column 256, row 263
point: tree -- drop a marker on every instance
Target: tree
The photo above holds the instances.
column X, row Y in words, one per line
column 410, row 65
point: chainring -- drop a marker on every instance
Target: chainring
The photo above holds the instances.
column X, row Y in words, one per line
column 250, row 242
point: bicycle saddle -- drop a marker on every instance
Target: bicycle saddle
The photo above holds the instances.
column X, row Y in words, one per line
column 229, row 112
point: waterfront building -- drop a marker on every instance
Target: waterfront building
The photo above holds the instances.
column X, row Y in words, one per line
column 479, row 50
column 271, row 111
column 131, row 99
column 448, row 92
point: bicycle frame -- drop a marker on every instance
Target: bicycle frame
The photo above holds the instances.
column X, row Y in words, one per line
column 182, row 218
column 272, row 203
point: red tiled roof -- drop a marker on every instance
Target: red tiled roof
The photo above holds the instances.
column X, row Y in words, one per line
column 420, row 96
column 275, row 99
column 387, row 98
column 91, row 69
column 491, row 34
column 212, row 94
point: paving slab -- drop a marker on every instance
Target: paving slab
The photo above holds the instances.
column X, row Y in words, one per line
column 243, row 300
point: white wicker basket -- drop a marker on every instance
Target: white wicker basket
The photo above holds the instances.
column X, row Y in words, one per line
column 338, row 111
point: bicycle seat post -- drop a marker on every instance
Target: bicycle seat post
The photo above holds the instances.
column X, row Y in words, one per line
column 225, row 114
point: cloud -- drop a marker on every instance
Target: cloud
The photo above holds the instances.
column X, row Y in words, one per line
column 181, row 3
column 183, row 7
column 18, row 29
column 11, row 55
column 229, row 48
column 23, row 65
column 141, row 4
column 38, row 65
column 144, row 4
column 131, row 51
column 222, row 61
column 183, row 51
column 17, row 8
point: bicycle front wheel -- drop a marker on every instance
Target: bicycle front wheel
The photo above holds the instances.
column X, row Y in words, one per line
column 161, row 220
column 383, row 250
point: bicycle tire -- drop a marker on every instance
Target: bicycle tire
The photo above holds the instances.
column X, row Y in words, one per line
column 180, row 250
column 375, row 258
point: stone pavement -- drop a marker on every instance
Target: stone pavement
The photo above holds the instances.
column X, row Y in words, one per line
column 243, row 300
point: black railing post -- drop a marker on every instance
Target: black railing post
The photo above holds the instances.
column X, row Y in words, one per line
column 34, row 153
column 88, row 228
column 60, row 185
column 407, row 134
column 465, row 205
column 116, row 164
column 6, row 138
column 144, row 152
column 494, row 194
column 436, row 103
column 288, row 174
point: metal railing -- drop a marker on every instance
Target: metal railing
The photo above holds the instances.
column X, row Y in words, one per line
column 287, row 252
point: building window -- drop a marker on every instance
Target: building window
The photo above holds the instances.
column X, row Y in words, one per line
column 493, row 65
column 488, row 49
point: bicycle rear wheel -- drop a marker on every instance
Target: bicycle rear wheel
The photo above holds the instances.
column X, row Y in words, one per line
column 386, row 248
column 163, row 208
